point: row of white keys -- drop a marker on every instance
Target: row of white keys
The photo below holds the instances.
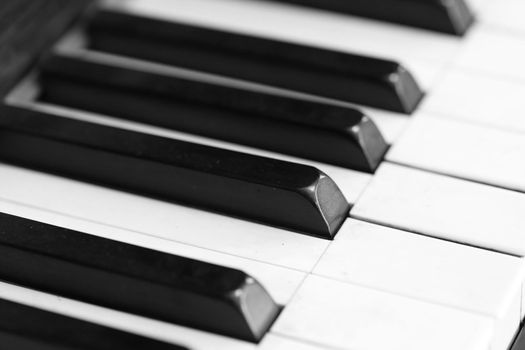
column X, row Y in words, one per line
column 191, row 338
column 432, row 270
column 464, row 150
column 445, row 207
column 347, row 316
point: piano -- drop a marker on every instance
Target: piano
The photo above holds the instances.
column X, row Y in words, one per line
column 262, row 174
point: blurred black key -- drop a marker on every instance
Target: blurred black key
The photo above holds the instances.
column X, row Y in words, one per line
column 451, row 16
column 27, row 328
column 352, row 78
column 323, row 132
column 284, row 194
column 134, row 279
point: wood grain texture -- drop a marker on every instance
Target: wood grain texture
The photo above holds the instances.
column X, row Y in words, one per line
column 27, row 28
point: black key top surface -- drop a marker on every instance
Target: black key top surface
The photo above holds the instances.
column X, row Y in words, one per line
column 451, row 17
column 27, row 328
column 134, row 279
column 284, row 194
column 319, row 131
column 344, row 76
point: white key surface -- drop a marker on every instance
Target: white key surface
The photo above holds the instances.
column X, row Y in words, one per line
column 431, row 270
column 464, row 150
column 491, row 52
column 506, row 15
column 482, row 99
column 445, row 207
column 278, row 342
column 346, row 316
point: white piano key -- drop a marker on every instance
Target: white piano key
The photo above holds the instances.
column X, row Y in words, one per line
column 280, row 282
column 478, row 98
column 477, row 5
column 431, row 270
column 504, row 14
column 347, row 316
column 493, row 52
column 170, row 333
column 445, row 207
column 161, row 219
column 523, row 302
column 304, row 25
column 351, row 182
column 464, row 150
column 391, row 124
column 277, row 342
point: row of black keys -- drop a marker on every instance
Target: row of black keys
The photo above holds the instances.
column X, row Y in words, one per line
column 244, row 186
column 278, row 193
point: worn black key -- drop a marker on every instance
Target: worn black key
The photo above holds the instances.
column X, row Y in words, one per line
column 451, row 16
column 134, row 279
column 27, row 328
column 323, row 132
column 352, row 78
column 284, row 194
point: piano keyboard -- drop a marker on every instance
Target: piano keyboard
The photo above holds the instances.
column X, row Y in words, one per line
column 250, row 174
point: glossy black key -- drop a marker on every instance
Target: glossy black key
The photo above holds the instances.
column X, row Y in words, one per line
column 27, row 328
column 284, row 194
column 451, row 16
column 323, row 132
column 134, row 279
column 344, row 76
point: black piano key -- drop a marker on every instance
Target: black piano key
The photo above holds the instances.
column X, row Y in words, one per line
column 323, row 132
column 27, row 328
column 284, row 194
column 344, row 76
column 134, row 279
column 451, row 17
